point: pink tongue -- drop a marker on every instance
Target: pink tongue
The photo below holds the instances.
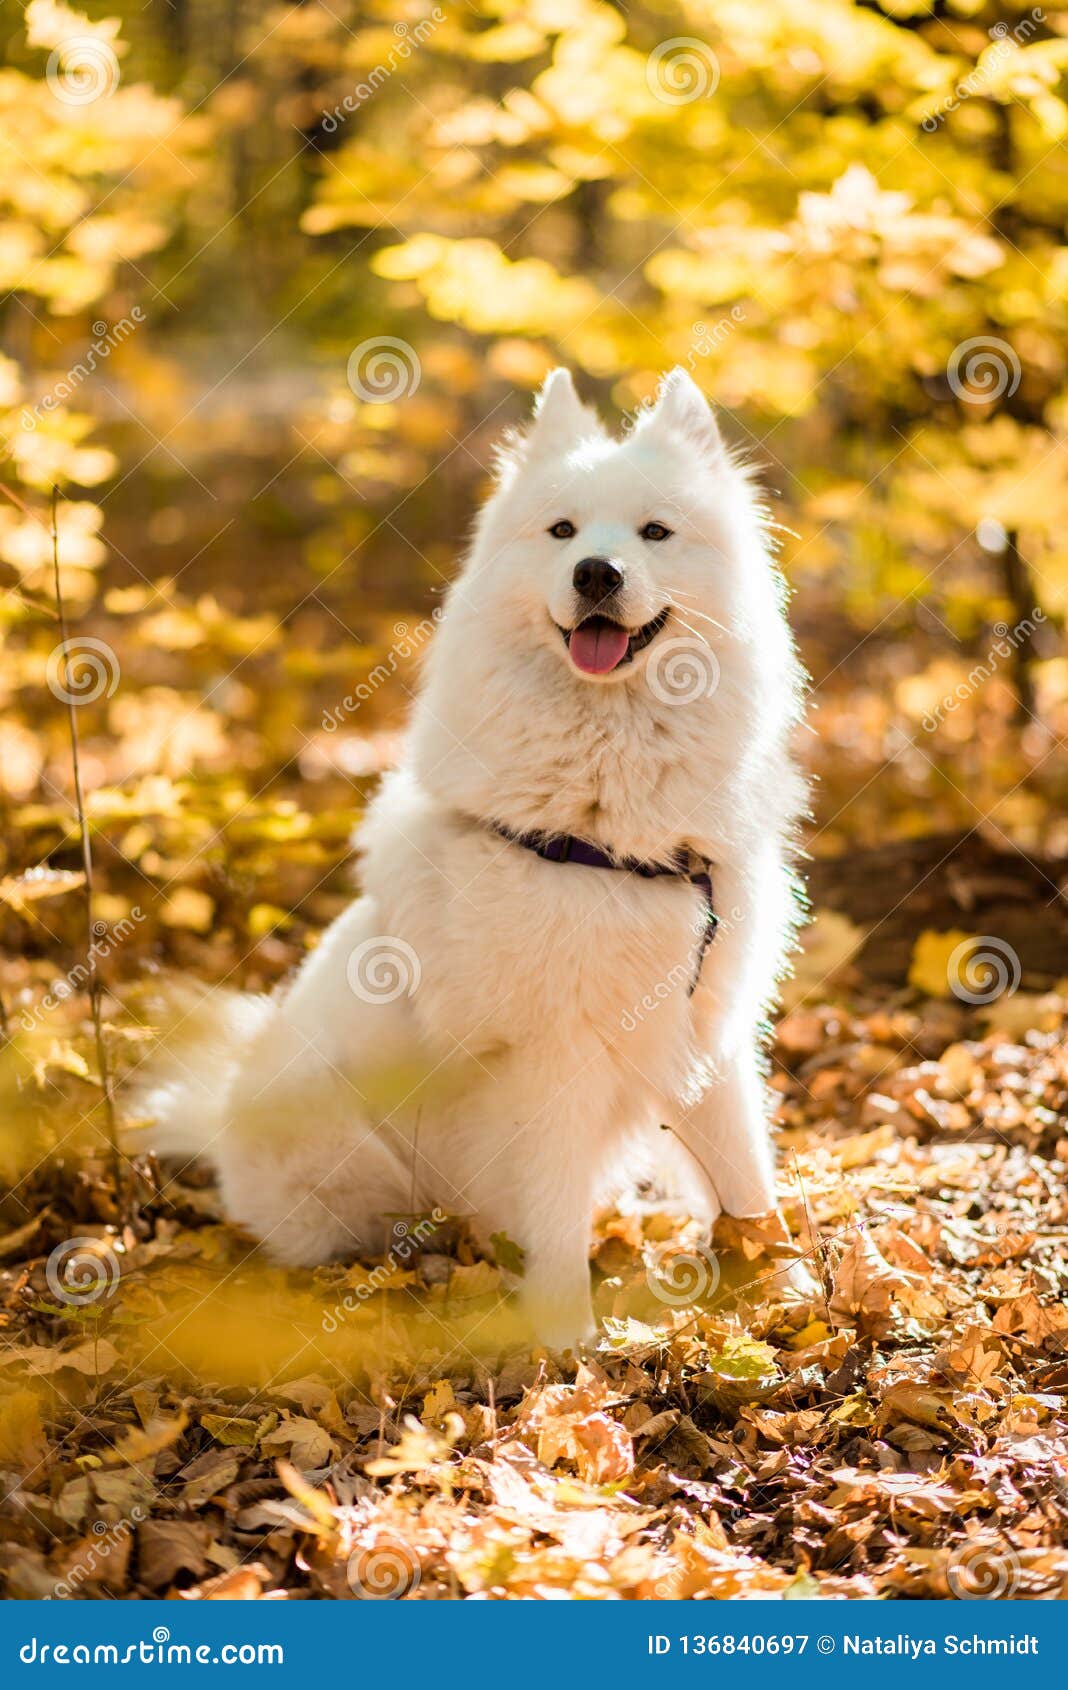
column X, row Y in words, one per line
column 598, row 647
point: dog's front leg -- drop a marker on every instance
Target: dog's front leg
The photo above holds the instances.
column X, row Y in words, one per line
column 727, row 1137
column 554, row 1294
column 755, row 903
column 726, row 1134
column 540, row 1193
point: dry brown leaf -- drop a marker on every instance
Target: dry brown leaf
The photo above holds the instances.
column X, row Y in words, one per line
column 240, row 1584
column 94, row 1357
column 138, row 1444
column 977, row 1356
column 166, row 1548
column 23, row 1444
column 308, row 1445
column 1026, row 1317
column 865, row 1286
column 754, row 1236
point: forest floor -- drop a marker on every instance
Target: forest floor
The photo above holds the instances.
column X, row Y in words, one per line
column 179, row 1418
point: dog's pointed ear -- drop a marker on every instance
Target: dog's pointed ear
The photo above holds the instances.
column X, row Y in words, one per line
column 560, row 421
column 560, row 418
column 682, row 408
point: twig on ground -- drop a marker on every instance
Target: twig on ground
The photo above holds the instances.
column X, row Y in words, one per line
column 819, row 1244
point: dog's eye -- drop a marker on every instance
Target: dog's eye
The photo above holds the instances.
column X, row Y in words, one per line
column 654, row 531
column 563, row 530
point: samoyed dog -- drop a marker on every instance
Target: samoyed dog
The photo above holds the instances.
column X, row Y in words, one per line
column 531, row 984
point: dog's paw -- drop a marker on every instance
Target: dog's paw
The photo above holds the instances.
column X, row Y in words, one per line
column 563, row 1341
column 557, row 1328
column 577, row 1349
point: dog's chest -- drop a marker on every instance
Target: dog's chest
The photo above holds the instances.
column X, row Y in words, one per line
column 580, row 960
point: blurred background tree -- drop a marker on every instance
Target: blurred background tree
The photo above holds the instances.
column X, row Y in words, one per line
column 278, row 277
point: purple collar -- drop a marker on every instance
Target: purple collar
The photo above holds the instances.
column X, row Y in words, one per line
column 568, row 848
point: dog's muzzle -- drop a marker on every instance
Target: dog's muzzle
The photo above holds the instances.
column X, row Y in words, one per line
column 598, row 644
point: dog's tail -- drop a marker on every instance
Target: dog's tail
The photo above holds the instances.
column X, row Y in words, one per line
column 180, row 1107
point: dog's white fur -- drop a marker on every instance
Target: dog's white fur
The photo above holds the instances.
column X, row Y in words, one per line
column 550, row 1031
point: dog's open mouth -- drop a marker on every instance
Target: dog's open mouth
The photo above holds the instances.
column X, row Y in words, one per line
column 598, row 645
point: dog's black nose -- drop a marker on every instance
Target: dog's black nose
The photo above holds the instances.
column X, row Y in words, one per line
column 596, row 579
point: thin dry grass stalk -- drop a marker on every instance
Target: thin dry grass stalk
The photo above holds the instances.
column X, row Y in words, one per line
column 103, row 1066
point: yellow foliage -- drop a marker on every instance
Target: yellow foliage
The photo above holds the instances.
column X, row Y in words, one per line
column 935, row 968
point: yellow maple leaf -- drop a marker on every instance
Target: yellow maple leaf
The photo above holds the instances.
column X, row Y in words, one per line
column 933, row 969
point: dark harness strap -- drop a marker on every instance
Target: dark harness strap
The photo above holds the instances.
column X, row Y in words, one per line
column 567, row 848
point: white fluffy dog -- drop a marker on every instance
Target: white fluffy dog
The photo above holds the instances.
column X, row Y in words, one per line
column 526, row 990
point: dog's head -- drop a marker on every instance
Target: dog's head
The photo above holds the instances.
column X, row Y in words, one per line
column 599, row 548
column 615, row 642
